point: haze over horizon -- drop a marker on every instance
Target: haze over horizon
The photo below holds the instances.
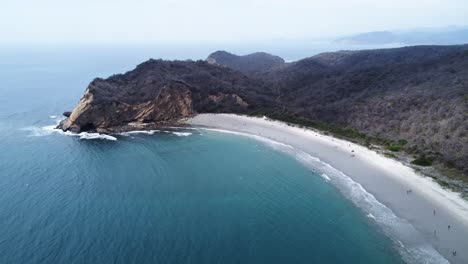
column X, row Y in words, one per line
column 210, row 21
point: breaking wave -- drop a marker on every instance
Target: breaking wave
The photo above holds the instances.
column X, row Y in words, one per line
column 409, row 242
column 48, row 130
column 182, row 134
column 146, row 132
column 152, row 132
column 39, row 131
column 51, row 129
column 325, row 177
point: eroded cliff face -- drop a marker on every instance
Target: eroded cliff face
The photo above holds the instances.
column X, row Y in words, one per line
column 173, row 101
column 158, row 93
column 416, row 94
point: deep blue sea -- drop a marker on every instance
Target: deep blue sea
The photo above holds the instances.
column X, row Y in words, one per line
column 203, row 197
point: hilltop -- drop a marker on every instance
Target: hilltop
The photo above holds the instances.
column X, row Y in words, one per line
column 412, row 98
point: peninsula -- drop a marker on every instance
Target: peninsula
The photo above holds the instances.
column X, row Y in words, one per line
column 413, row 99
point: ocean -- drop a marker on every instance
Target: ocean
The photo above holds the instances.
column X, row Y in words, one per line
column 191, row 196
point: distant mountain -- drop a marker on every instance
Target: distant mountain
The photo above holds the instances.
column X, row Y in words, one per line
column 444, row 36
column 371, row 38
column 417, row 95
column 252, row 63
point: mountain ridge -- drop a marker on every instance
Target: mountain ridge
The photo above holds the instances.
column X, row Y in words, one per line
column 415, row 94
column 257, row 62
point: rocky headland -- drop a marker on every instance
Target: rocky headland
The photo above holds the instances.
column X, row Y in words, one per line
column 158, row 93
column 411, row 99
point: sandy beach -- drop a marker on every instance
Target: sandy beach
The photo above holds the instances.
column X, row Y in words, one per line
column 411, row 209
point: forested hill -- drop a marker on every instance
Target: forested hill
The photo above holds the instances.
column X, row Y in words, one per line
column 414, row 94
column 411, row 98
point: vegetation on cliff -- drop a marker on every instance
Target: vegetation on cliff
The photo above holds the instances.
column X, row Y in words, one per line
column 377, row 96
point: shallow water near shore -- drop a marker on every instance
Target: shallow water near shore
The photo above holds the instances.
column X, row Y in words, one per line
column 165, row 198
column 198, row 196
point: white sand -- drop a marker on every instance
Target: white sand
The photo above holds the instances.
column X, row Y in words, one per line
column 374, row 183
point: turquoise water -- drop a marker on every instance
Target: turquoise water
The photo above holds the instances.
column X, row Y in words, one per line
column 164, row 198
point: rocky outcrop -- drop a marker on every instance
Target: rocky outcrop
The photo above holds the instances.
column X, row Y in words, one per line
column 418, row 95
column 172, row 101
column 159, row 92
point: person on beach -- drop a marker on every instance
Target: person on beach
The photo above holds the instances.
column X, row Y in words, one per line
column 454, row 253
column 448, row 227
column 434, row 212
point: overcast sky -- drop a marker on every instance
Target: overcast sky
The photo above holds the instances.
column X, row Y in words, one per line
column 214, row 21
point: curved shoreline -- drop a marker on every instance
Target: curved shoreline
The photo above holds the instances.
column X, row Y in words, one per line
column 428, row 207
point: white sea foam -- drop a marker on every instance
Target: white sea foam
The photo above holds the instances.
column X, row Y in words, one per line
column 151, row 132
column 86, row 135
column 325, row 177
column 147, row 132
column 373, row 217
column 401, row 244
column 53, row 116
column 184, row 128
column 417, row 250
column 51, row 129
column 40, row 131
column 182, row 134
